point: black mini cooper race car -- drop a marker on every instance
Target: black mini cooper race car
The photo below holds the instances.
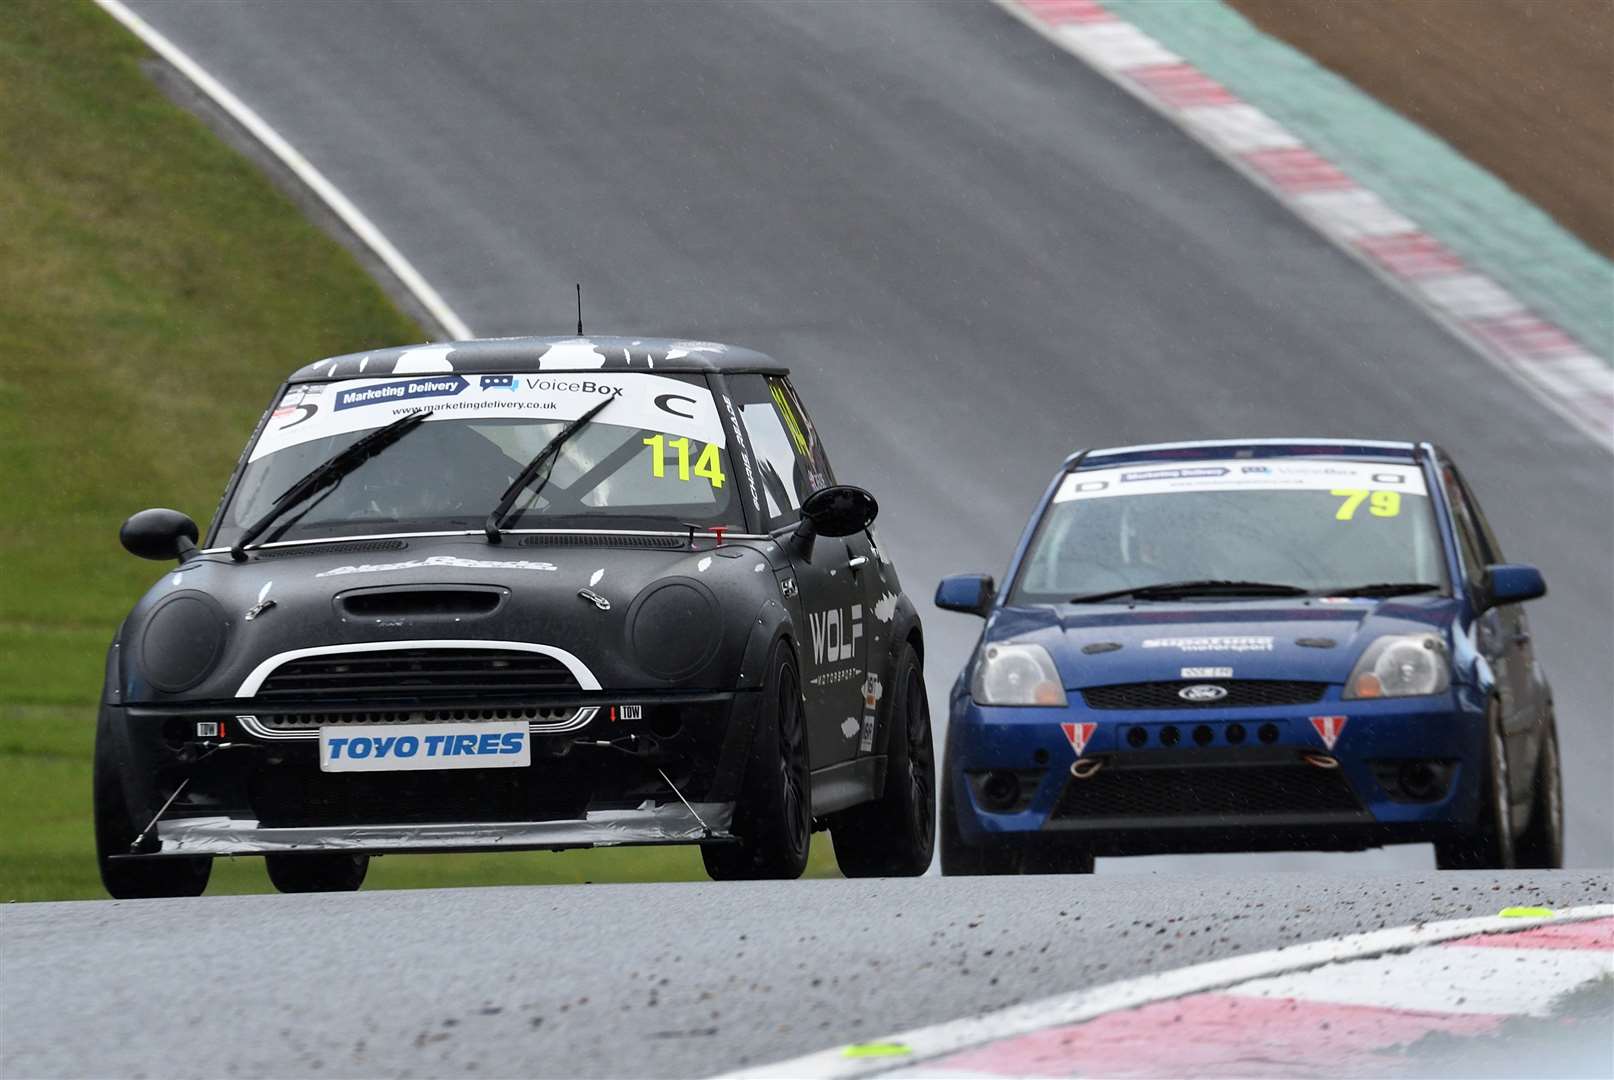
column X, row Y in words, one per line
column 519, row 594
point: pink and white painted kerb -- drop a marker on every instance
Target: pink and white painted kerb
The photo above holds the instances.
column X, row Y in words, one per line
column 1545, row 359
column 1354, row 1019
column 1349, row 1006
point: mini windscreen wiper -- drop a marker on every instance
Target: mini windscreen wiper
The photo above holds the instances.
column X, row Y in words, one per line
column 328, row 474
column 1384, row 588
column 1209, row 587
column 543, row 457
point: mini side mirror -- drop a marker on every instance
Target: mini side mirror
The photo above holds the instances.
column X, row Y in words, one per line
column 1512, row 583
column 160, row 534
column 839, row 511
column 972, row 594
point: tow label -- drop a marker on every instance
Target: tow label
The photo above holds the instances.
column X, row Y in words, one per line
column 1079, row 735
column 1329, row 729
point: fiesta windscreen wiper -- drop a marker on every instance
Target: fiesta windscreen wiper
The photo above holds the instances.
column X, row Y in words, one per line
column 1385, row 588
column 543, row 457
column 1208, row 587
column 328, row 474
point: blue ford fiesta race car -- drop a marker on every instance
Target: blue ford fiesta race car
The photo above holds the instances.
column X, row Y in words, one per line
column 1251, row 645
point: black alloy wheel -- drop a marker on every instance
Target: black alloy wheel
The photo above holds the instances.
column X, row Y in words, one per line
column 895, row 835
column 171, row 875
column 1542, row 845
column 773, row 818
column 321, row 872
column 1062, row 858
column 1488, row 844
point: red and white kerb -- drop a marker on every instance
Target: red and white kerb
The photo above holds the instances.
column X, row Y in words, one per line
column 1559, row 370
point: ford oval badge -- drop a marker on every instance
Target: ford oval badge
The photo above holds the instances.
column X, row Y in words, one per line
column 1202, row 692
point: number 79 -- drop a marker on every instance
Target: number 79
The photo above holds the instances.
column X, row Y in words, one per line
column 1379, row 503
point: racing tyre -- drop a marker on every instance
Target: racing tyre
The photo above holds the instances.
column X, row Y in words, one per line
column 1489, row 844
column 773, row 816
column 958, row 859
column 1542, row 845
column 115, row 831
column 317, row 873
column 1057, row 859
column 895, row 836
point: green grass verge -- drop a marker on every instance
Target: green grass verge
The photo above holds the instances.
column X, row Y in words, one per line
column 154, row 289
column 47, row 852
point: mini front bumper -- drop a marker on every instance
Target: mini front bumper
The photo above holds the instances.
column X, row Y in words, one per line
column 1214, row 779
column 647, row 824
column 603, row 781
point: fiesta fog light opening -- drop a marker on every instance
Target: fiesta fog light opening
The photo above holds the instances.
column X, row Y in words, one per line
column 1267, row 733
column 1137, row 736
column 1000, row 790
column 1419, row 780
column 1203, row 735
column 1170, row 736
column 1235, row 733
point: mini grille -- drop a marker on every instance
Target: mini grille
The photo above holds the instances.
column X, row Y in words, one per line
column 412, row 673
column 356, row 547
column 1240, row 693
column 310, row 721
column 616, row 540
column 1208, row 792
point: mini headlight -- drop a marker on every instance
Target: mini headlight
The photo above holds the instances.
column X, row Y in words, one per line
column 182, row 641
column 1400, row 665
column 1017, row 675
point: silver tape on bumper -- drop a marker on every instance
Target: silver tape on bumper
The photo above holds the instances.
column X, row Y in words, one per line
column 670, row 823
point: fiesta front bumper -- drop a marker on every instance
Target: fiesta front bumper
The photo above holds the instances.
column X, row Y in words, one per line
column 1213, row 779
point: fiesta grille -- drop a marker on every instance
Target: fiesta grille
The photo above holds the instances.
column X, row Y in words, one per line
column 1241, row 693
column 1207, row 792
column 610, row 540
column 356, row 547
column 412, row 673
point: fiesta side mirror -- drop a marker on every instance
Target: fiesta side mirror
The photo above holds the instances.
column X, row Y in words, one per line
column 160, row 534
column 839, row 511
column 972, row 594
column 1512, row 583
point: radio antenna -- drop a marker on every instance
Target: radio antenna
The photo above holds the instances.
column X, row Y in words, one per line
column 579, row 309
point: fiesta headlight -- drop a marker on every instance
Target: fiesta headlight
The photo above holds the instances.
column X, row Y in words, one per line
column 1400, row 665
column 1017, row 675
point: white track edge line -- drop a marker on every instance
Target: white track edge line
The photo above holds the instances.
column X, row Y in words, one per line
column 1406, row 288
column 329, row 193
column 935, row 1040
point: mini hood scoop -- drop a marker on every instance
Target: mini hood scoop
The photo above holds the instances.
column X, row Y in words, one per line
column 421, row 602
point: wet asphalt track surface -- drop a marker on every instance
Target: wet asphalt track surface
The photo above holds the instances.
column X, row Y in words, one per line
column 978, row 256
column 633, row 980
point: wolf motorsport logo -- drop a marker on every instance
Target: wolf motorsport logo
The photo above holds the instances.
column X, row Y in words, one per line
column 836, row 633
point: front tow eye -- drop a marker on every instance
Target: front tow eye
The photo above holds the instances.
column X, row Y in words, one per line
column 1321, row 761
column 1086, row 768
